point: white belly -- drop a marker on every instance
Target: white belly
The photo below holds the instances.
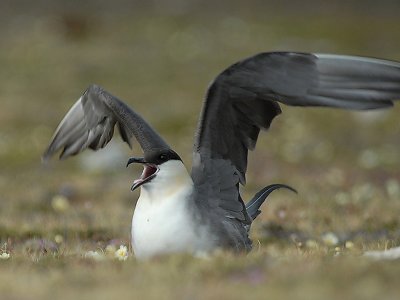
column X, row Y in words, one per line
column 162, row 226
column 163, row 221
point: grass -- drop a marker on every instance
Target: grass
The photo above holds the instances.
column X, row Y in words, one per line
column 160, row 59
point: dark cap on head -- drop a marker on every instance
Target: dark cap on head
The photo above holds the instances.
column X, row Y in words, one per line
column 159, row 156
column 155, row 157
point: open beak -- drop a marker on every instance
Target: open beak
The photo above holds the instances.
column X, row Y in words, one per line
column 149, row 171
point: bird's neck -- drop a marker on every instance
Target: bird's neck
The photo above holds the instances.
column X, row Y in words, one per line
column 171, row 181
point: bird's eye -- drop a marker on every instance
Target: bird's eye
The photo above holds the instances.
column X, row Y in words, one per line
column 163, row 157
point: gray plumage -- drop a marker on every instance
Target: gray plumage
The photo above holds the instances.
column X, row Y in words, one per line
column 240, row 102
column 90, row 124
column 242, row 99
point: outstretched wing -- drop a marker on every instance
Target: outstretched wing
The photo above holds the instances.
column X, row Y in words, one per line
column 90, row 124
column 244, row 99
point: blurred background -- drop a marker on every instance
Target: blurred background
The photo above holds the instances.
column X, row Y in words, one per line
column 159, row 56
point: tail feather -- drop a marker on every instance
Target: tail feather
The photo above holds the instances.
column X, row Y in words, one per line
column 253, row 206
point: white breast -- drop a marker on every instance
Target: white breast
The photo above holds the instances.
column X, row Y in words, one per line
column 162, row 222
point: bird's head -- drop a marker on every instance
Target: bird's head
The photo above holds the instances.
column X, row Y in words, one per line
column 154, row 162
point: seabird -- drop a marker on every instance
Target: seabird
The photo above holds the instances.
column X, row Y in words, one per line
column 201, row 211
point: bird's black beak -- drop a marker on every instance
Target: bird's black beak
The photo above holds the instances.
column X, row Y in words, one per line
column 149, row 172
column 136, row 160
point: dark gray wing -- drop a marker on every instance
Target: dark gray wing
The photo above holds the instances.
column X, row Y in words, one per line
column 90, row 124
column 242, row 100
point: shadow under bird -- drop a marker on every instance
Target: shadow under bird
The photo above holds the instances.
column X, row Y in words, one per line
column 200, row 211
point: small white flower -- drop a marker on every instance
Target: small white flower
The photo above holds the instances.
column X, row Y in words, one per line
column 60, row 203
column 122, row 253
column 58, row 238
column 5, row 256
column 94, row 255
column 330, row 239
column 349, row 245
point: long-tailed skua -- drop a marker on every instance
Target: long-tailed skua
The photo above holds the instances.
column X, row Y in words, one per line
column 201, row 211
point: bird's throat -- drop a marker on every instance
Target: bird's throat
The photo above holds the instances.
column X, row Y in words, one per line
column 171, row 179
